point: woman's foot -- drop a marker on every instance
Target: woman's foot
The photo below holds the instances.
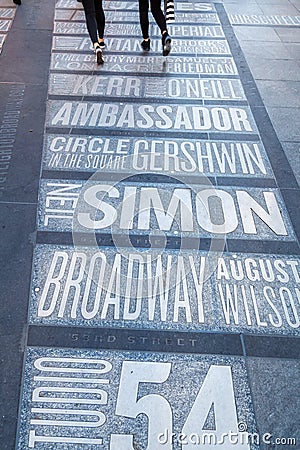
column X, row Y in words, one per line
column 17, row 2
column 101, row 43
column 166, row 44
column 98, row 52
column 146, row 44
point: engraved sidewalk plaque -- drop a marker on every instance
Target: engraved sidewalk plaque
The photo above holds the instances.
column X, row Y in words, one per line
column 179, row 65
column 163, row 289
column 138, row 87
column 189, row 156
column 195, row 211
column 118, row 400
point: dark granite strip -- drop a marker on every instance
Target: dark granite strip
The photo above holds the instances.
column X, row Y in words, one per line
column 170, row 242
column 246, row 182
column 183, row 38
column 134, row 340
column 131, row 53
column 233, row 136
column 130, row 22
column 159, row 178
column 164, row 341
column 181, row 11
column 120, row 240
column 17, row 222
column 24, row 61
column 103, row 70
column 142, row 133
column 106, row 240
column 127, row 177
column 163, row 75
column 272, row 347
column 265, row 247
column 148, row 99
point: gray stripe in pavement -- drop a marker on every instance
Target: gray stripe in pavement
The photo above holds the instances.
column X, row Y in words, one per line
column 172, row 242
column 133, row 340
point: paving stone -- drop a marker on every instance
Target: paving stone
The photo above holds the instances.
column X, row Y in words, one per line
column 17, row 223
column 4, row 25
column 2, row 39
column 248, row 8
column 291, row 197
column 280, row 93
column 34, row 69
column 126, row 5
column 36, row 17
column 6, row 4
column 263, row 34
column 270, row 50
column 267, row 347
column 274, row 384
column 295, row 3
column 19, row 124
column 292, row 150
column 277, row 70
column 213, row 382
column 285, row 122
column 280, row 9
column 294, row 50
column 287, row 35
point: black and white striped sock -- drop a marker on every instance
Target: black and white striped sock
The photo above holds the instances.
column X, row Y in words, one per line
column 169, row 10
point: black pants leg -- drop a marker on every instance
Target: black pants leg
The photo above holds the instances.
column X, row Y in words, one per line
column 95, row 19
column 144, row 20
column 158, row 14
column 100, row 18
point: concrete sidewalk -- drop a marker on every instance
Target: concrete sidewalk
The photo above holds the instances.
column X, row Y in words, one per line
column 150, row 228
